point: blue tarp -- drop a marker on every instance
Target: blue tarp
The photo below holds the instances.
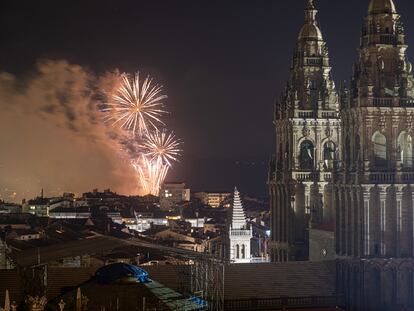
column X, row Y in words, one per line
column 119, row 272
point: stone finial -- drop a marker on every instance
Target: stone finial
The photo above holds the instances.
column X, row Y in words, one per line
column 61, row 305
column 310, row 4
column 36, row 303
column 85, row 301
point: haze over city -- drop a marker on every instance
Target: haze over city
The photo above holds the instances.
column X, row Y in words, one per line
column 222, row 76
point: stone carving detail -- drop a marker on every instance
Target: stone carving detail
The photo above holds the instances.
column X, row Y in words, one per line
column 36, row 303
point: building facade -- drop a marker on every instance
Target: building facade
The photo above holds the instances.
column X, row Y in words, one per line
column 308, row 139
column 373, row 193
column 240, row 235
column 172, row 194
column 346, row 159
column 214, row 199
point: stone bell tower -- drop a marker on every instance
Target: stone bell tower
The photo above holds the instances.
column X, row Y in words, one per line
column 374, row 193
column 307, row 146
column 240, row 234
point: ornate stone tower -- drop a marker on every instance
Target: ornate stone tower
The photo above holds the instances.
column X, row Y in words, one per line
column 374, row 195
column 240, row 235
column 307, row 143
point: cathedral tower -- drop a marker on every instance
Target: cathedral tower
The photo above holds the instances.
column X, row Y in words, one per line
column 374, row 193
column 307, row 142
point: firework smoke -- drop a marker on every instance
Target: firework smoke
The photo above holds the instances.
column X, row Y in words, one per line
column 52, row 134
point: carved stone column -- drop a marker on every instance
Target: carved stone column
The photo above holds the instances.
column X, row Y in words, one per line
column 399, row 220
column 348, row 220
column 384, row 237
column 360, row 221
column 412, row 220
column 341, row 216
column 367, row 220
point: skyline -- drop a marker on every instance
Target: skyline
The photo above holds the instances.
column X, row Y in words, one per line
column 221, row 76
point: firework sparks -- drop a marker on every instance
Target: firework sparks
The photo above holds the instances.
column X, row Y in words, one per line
column 160, row 150
column 162, row 147
column 151, row 174
column 137, row 107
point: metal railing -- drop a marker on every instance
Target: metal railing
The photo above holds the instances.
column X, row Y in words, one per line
column 284, row 303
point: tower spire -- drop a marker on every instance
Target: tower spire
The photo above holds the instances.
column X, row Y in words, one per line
column 239, row 234
column 310, row 12
column 238, row 217
column 310, row 30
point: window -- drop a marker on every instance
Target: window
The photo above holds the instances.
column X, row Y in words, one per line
column 380, row 149
column 237, row 251
column 329, row 150
column 405, row 149
column 243, row 251
column 306, row 155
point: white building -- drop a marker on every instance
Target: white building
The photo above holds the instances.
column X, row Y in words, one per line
column 214, row 199
column 240, row 235
column 173, row 193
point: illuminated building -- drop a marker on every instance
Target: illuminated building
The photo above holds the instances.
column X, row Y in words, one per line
column 214, row 199
column 39, row 207
column 240, row 235
column 374, row 189
column 308, row 140
column 173, row 193
column 364, row 161
column 373, row 197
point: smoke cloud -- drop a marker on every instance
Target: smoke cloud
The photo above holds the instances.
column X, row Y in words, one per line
column 52, row 134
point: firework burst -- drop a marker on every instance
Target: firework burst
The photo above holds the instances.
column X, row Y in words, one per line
column 151, row 174
column 135, row 107
column 162, row 147
column 160, row 150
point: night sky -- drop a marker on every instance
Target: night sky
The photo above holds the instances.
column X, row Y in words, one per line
column 222, row 63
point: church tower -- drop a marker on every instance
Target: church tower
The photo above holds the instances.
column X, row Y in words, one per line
column 240, row 235
column 375, row 192
column 307, row 146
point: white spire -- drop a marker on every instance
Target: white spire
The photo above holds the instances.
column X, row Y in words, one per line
column 238, row 218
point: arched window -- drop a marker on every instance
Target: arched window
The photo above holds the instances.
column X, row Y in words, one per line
column 243, row 251
column 306, row 155
column 237, row 251
column 329, row 150
column 405, row 149
column 380, row 149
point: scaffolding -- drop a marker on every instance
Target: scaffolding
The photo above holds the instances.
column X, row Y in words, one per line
column 200, row 275
column 207, row 282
